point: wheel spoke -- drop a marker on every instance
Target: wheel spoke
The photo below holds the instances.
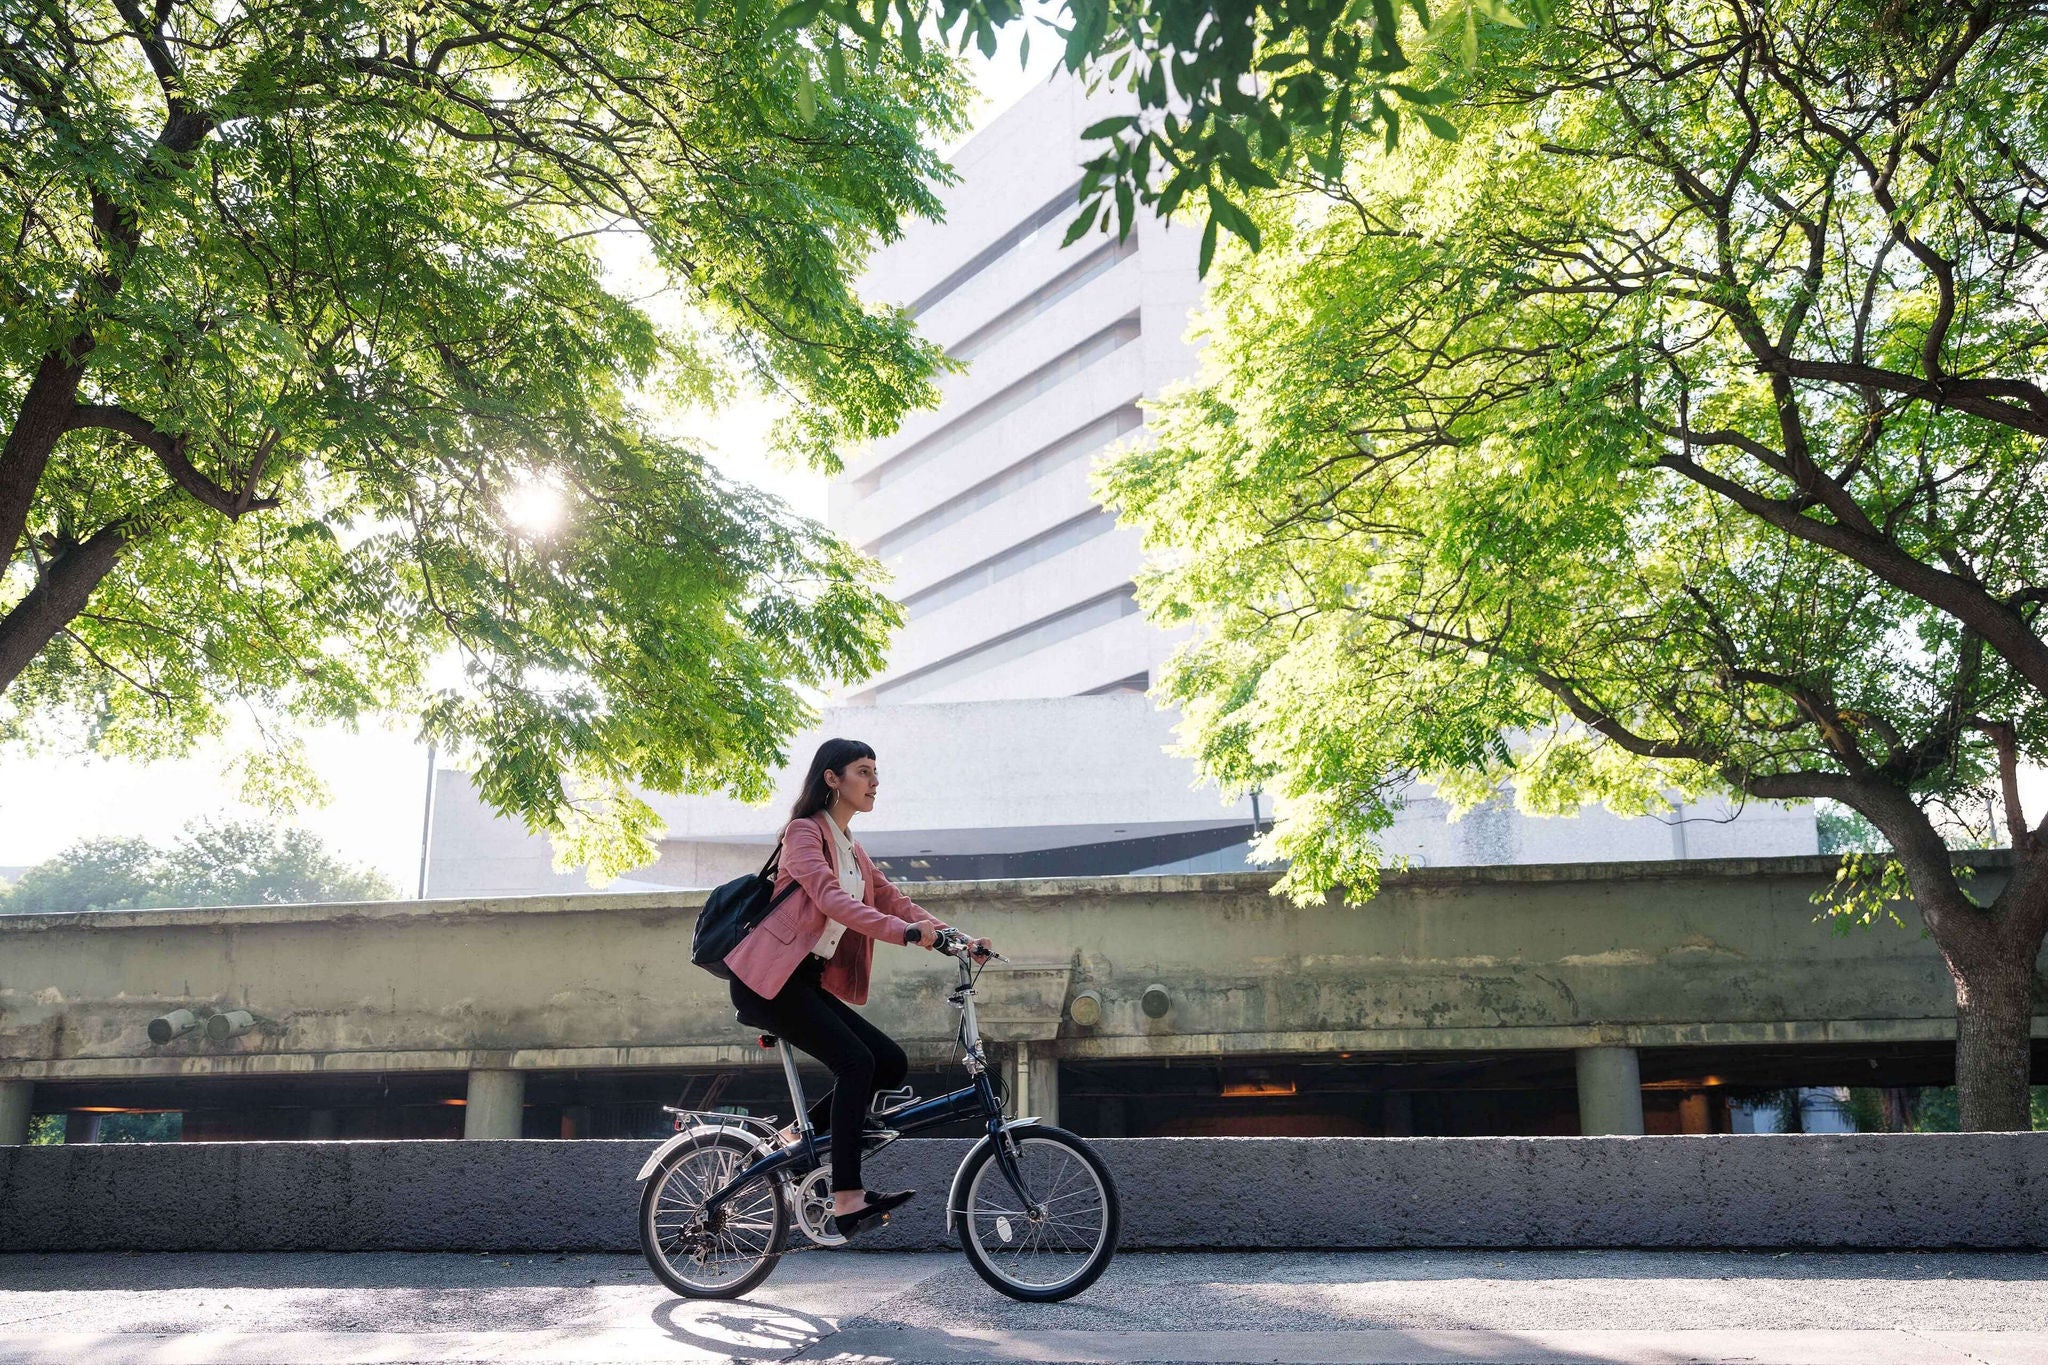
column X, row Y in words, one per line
column 712, row 1252
column 1055, row 1248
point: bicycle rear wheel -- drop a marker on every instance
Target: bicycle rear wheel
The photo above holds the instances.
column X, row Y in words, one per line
column 726, row 1253
column 1057, row 1251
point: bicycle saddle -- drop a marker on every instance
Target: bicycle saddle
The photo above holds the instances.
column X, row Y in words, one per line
column 766, row 1040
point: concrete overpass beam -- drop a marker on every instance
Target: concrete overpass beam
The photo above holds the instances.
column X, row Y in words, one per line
column 1610, row 1091
column 495, row 1101
column 17, row 1102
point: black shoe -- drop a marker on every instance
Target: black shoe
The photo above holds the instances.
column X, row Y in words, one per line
column 876, row 1209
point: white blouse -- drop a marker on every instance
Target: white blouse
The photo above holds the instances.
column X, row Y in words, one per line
column 849, row 882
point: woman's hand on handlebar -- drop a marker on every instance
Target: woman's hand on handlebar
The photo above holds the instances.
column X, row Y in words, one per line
column 959, row 942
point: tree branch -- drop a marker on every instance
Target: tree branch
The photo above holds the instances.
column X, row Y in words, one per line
column 170, row 452
column 57, row 598
column 2001, row 625
column 2005, row 740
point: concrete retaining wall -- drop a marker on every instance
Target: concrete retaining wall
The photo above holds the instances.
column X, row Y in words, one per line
column 1931, row 1190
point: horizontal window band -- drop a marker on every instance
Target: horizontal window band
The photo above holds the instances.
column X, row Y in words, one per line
column 1027, row 639
column 1026, row 554
column 1067, row 200
column 1047, row 459
column 997, row 406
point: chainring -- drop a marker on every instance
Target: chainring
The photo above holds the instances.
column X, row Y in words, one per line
column 813, row 1200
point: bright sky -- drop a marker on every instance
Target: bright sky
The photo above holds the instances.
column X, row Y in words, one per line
column 377, row 778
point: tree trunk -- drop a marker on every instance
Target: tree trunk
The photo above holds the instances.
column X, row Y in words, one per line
column 1994, row 1043
column 43, row 416
column 1991, row 954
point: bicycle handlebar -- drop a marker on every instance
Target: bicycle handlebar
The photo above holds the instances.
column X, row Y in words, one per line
column 953, row 943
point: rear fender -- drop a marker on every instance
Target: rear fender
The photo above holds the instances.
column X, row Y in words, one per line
column 694, row 1133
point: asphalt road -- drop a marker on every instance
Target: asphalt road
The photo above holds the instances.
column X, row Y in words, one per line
column 1357, row 1308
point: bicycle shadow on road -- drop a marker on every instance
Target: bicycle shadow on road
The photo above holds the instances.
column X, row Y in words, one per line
column 743, row 1330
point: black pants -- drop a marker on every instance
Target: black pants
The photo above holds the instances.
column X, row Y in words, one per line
column 863, row 1059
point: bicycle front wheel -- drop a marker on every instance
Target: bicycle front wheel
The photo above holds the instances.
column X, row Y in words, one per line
column 717, row 1255
column 1059, row 1248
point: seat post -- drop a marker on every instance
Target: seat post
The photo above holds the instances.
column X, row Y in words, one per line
column 796, row 1088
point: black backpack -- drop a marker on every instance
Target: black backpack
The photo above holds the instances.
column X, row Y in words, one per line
column 731, row 912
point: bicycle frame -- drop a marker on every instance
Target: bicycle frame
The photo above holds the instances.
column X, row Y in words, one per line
column 977, row 1099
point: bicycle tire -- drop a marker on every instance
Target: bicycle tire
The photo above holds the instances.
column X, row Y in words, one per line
column 725, row 1153
column 982, row 1176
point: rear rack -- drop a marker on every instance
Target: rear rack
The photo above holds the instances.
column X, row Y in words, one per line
column 694, row 1118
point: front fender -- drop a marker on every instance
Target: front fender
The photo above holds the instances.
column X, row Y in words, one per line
column 690, row 1134
column 959, row 1190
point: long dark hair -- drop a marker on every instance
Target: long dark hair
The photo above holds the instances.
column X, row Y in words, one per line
column 833, row 756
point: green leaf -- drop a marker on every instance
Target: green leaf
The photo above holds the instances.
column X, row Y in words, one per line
column 1078, row 229
column 1222, row 208
column 791, row 17
column 1208, row 247
column 835, row 69
column 913, row 43
column 1108, row 127
column 1469, row 45
column 1438, row 124
column 807, row 95
column 1442, row 94
column 1024, row 52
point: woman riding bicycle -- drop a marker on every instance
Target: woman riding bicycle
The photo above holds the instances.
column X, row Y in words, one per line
column 799, row 971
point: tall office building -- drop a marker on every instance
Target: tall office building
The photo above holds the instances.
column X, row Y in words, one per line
column 1015, row 584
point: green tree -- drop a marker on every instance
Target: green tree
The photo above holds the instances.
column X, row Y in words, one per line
column 92, row 874
column 302, row 301
column 235, row 862
column 1679, row 428
column 1227, row 94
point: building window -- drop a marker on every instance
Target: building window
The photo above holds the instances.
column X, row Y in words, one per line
column 1061, row 625
column 998, row 406
column 1014, row 560
column 1092, row 266
column 1041, row 462
column 1066, row 202
column 1137, row 682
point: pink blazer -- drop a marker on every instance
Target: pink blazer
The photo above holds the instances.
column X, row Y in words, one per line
column 779, row 944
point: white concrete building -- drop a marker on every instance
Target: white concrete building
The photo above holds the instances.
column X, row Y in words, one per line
column 1010, row 731
column 1014, row 582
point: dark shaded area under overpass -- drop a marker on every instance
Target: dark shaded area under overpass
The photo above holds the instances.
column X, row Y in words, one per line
column 1520, row 1094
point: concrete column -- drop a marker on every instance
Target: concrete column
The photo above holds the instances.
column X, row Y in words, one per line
column 17, row 1103
column 1045, row 1086
column 1610, row 1091
column 1017, row 1076
column 495, row 1101
column 81, row 1128
column 1694, row 1114
column 322, row 1125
